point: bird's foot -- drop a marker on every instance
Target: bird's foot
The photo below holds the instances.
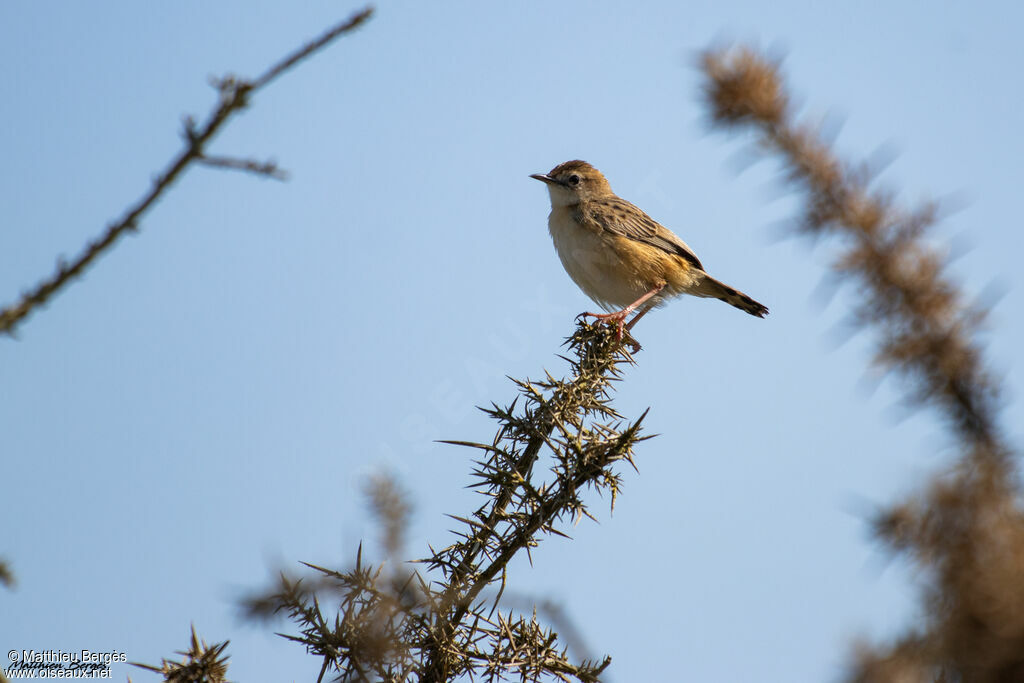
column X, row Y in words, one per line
column 618, row 319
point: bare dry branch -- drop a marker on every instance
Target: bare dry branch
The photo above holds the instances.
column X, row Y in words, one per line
column 267, row 169
column 234, row 95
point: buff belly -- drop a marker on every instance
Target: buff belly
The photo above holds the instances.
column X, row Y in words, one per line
column 612, row 270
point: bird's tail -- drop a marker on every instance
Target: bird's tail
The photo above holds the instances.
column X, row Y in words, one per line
column 710, row 287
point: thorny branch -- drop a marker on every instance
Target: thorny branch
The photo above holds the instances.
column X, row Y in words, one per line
column 967, row 530
column 234, row 96
column 396, row 625
column 201, row 663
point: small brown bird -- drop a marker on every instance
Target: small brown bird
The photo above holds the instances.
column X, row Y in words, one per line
column 618, row 255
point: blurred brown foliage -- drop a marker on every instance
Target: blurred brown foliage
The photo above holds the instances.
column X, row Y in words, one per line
column 6, row 575
column 965, row 531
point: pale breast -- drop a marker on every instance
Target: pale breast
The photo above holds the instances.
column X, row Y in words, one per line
column 591, row 263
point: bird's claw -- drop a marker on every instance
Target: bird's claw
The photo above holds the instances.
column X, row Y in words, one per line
column 618, row 319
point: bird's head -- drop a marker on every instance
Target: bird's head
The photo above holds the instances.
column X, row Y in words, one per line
column 573, row 182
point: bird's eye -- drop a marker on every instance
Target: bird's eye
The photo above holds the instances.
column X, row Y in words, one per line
column 574, row 180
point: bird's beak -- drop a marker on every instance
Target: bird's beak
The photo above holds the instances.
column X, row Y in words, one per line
column 544, row 178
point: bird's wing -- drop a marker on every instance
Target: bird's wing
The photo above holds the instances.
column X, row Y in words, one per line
column 622, row 218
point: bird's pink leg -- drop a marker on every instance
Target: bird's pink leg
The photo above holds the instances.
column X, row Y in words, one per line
column 618, row 317
column 643, row 311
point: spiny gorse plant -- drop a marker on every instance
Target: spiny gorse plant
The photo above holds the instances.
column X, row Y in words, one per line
column 446, row 621
column 966, row 530
column 200, row 663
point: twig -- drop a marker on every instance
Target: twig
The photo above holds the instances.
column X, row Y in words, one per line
column 268, row 169
column 234, row 96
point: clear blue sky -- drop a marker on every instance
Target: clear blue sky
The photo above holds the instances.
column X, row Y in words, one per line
column 205, row 405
